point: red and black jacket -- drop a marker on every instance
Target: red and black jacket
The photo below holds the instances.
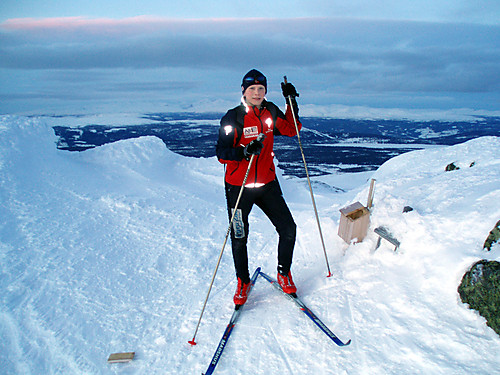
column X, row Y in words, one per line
column 239, row 127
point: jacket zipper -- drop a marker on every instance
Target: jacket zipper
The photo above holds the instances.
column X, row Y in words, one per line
column 261, row 131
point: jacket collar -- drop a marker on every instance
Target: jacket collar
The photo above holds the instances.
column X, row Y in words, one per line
column 248, row 107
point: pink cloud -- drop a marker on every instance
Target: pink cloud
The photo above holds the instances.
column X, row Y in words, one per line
column 147, row 23
column 73, row 22
column 85, row 24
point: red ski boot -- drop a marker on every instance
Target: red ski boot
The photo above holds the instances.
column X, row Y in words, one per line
column 286, row 283
column 241, row 294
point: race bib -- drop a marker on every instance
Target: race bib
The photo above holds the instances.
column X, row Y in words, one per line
column 251, row 131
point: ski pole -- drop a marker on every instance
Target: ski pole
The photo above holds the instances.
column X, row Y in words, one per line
column 260, row 138
column 308, row 181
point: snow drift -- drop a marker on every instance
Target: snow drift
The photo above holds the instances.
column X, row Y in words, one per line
column 112, row 250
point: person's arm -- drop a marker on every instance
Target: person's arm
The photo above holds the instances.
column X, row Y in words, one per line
column 227, row 148
column 285, row 123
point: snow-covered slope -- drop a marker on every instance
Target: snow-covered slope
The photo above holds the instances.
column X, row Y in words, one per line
column 112, row 250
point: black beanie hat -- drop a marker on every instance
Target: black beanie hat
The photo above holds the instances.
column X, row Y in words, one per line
column 253, row 77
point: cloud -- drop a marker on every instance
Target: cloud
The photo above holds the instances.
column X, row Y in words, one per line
column 351, row 57
column 76, row 43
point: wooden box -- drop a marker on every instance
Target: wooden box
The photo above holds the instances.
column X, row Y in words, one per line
column 354, row 222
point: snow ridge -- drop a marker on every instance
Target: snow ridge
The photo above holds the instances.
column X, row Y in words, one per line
column 112, row 250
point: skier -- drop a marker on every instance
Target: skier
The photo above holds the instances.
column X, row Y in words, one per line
column 238, row 141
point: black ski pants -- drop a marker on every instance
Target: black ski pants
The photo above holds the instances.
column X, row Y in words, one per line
column 269, row 198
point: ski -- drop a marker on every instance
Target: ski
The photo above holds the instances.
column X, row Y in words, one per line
column 229, row 328
column 306, row 311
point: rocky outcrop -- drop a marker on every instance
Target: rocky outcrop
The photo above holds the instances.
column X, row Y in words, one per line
column 480, row 289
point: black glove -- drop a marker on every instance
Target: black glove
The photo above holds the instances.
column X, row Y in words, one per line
column 253, row 148
column 289, row 90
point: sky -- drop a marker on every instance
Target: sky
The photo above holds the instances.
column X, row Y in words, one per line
column 429, row 55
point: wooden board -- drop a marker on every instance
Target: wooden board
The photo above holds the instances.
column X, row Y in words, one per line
column 121, row 357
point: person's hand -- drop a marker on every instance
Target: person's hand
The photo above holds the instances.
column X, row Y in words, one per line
column 289, row 90
column 253, row 148
column 290, row 93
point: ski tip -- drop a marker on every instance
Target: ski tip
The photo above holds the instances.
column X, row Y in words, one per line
column 347, row 343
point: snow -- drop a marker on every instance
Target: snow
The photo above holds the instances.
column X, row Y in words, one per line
column 112, row 250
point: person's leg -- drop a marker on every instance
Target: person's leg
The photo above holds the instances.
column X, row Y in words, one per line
column 239, row 229
column 273, row 204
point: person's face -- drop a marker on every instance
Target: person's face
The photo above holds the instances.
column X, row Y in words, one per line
column 255, row 94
